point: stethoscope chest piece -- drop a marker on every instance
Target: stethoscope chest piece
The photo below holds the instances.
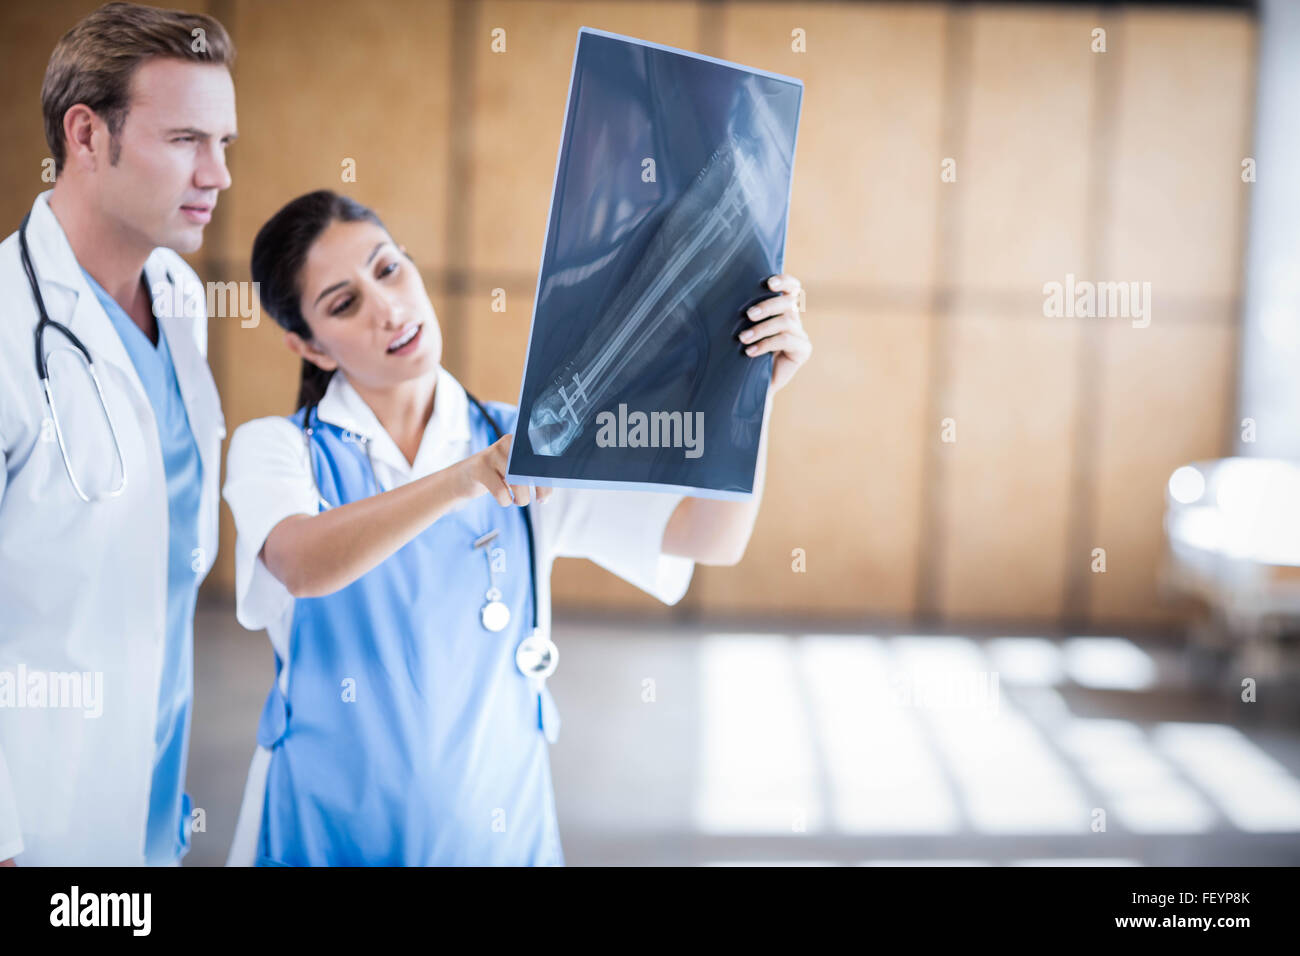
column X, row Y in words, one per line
column 495, row 613
column 537, row 657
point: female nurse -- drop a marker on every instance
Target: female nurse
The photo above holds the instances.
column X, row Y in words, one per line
column 380, row 546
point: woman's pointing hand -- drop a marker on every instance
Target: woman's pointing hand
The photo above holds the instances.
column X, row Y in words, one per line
column 486, row 472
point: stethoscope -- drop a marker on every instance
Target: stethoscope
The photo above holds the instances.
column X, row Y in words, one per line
column 43, row 372
column 536, row 656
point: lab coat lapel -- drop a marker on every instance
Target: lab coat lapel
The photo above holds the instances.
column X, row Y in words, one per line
column 68, row 297
column 181, row 311
column 198, row 391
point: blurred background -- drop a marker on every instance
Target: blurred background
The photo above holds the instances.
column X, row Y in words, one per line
column 1023, row 586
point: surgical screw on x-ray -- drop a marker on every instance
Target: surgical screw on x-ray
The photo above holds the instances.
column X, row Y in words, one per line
column 698, row 237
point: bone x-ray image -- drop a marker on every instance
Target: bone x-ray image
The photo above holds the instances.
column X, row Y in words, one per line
column 668, row 214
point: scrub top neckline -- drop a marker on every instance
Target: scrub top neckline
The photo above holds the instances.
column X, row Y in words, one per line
column 102, row 292
column 343, row 407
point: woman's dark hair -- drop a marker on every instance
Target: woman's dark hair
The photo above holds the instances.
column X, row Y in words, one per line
column 279, row 252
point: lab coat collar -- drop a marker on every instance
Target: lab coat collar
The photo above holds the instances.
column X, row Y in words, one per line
column 68, row 296
column 52, row 254
column 344, row 407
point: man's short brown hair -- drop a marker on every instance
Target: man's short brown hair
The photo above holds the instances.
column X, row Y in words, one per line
column 94, row 62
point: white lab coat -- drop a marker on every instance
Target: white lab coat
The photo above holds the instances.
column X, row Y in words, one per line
column 83, row 587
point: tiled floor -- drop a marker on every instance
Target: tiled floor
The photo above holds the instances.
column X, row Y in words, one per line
column 701, row 746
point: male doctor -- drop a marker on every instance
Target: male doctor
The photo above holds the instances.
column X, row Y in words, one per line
column 108, row 522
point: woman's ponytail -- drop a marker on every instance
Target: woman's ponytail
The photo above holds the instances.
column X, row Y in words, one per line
column 312, row 384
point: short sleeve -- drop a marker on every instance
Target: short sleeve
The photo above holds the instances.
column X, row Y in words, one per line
column 268, row 479
column 623, row 532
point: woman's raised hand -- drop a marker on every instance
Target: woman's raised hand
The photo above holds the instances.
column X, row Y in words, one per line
column 778, row 329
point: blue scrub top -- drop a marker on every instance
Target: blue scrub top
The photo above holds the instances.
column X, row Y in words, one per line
column 403, row 734
column 167, row 835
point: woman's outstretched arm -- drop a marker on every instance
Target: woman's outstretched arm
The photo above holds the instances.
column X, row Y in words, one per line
column 315, row 555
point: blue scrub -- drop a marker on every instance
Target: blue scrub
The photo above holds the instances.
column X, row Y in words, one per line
column 167, row 835
column 407, row 736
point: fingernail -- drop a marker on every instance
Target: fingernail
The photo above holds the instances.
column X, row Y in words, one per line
column 751, row 350
column 753, row 312
column 746, row 336
column 775, row 283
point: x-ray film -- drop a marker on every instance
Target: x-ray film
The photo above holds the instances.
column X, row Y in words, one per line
column 672, row 191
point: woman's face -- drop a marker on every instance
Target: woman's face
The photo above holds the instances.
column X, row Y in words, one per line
column 366, row 307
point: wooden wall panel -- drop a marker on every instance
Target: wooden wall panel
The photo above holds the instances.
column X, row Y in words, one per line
column 866, row 173
column 486, row 349
column 1163, row 394
column 1003, row 513
column 321, row 81
column 1182, row 129
column 843, row 480
column 1174, row 219
column 1022, row 173
column 519, row 101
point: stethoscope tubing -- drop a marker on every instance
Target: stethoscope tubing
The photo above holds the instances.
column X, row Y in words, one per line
column 43, row 373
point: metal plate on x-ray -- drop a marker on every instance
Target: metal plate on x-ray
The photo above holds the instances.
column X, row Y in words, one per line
column 669, row 210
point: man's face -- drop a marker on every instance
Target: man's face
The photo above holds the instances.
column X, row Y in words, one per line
column 171, row 160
